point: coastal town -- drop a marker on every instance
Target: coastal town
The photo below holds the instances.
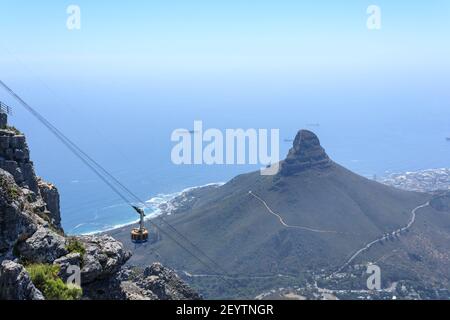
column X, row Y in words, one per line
column 430, row 180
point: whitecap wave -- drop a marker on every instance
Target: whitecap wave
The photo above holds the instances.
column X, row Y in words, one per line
column 152, row 209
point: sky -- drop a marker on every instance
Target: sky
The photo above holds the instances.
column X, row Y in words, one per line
column 137, row 70
column 212, row 36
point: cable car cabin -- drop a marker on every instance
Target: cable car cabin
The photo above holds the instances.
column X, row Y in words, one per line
column 139, row 236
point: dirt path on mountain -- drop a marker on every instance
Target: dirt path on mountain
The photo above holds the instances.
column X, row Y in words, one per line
column 384, row 237
column 283, row 223
column 358, row 252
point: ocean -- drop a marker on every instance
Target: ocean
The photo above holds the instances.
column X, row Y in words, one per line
column 371, row 126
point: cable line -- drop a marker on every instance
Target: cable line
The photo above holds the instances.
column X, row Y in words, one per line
column 99, row 171
column 78, row 151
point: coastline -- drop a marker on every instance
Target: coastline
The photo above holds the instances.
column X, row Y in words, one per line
column 158, row 201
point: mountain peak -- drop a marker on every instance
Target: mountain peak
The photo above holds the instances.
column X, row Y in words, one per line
column 306, row 153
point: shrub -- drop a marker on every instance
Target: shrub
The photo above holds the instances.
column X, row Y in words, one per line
column 75, row 246
column 45, row 278
column 13, row 129
column 11, row 190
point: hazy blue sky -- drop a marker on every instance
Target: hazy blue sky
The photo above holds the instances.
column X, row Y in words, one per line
column 213, row 36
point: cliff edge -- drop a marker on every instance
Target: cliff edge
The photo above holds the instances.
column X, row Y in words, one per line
column 38, row 261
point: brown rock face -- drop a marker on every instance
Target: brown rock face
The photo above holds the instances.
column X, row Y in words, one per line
column 50, row 195
column 305, row 154
column 15, row 283
column 14, row 222
column 166, row 284
column 156, row 282
column 15, row 159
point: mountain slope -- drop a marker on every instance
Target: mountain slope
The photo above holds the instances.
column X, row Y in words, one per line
column 309, row 218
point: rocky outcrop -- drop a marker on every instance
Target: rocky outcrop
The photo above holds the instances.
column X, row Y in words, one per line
column 154, row 283
column 31, row 233
column 104, row 277
column 30, row 239
column 306, row 153
column 15, row 283
column 50, row 196
column 131, row 291
column 166, row 284
column 15, row 223
column 44, row 246
column 104, row 257
column 15, row 159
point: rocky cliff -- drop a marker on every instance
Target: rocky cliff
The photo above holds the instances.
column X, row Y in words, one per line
column 306, row 153
column 32, row 241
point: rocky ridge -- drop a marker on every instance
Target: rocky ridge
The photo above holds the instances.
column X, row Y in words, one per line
column 31, row 233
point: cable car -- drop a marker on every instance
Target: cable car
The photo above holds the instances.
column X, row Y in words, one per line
column 139, row 235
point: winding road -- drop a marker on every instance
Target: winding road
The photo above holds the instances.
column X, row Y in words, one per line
column 384, row 237
column 235, row 277
column 358, row 252
column 284, row 223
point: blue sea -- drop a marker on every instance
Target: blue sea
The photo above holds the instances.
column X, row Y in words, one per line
column 371, row 125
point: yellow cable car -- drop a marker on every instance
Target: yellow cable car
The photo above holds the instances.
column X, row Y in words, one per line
column 139, row 235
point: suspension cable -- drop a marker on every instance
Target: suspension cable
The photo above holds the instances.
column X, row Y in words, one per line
column 99, row 171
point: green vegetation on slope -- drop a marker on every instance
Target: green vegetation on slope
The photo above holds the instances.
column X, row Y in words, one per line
column 45, row 278
column 13, row 129
column 76, row 246
column 11, row 190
